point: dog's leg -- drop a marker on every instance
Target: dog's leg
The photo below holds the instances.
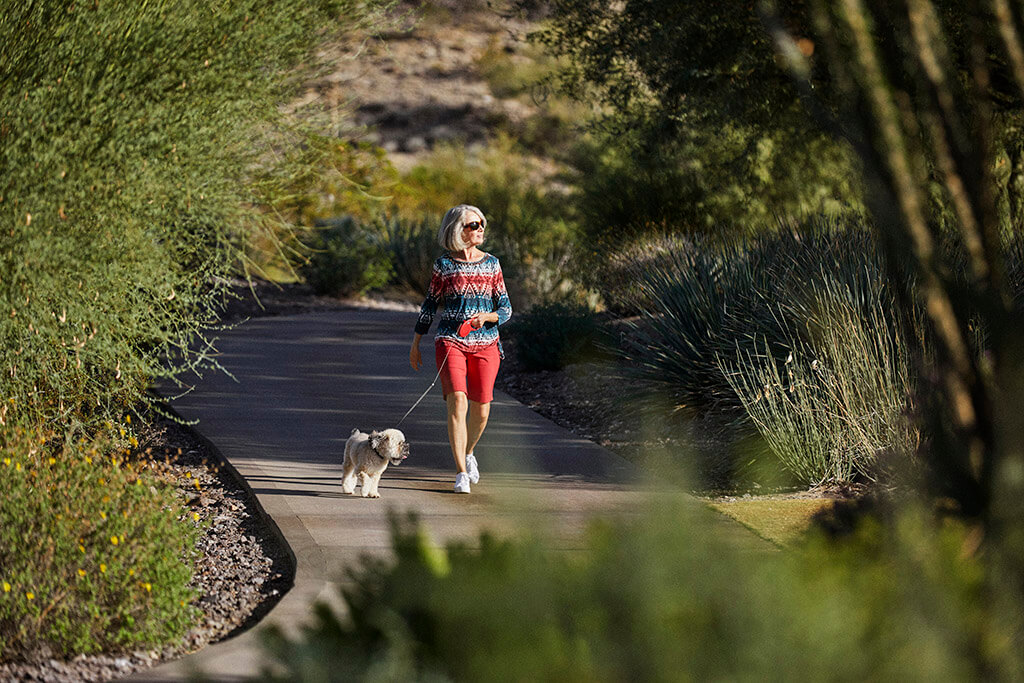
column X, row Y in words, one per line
column 373, row 481
column 348, row 477
column 367, row 485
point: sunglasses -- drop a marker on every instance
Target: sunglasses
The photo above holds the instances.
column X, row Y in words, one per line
column 475, row 225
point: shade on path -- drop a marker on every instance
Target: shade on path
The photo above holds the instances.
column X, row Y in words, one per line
column 301, row 384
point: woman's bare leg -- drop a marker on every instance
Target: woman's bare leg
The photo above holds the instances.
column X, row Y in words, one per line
column 478, row 414
column 458, row 404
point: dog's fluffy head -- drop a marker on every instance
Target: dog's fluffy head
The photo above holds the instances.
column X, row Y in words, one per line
column 390, row 444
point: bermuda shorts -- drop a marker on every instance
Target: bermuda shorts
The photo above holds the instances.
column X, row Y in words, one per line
column 471, row 372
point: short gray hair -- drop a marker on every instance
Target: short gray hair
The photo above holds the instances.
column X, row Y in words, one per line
column 450, row 234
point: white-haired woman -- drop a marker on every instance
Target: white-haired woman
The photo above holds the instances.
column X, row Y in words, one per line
column 470, row 283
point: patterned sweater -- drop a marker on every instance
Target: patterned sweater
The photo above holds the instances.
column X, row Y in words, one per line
column 466, row 288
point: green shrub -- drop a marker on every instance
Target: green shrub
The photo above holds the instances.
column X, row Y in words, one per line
column 697, row 301
column 129, row 133
column 841, row 401
column 346, row 260
column 718, row 322
column 96, row 553
column 663, row 598
column 700, row 301
column 413, row 248
column 552, row 335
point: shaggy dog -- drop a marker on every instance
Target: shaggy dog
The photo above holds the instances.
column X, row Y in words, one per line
column 368, row 455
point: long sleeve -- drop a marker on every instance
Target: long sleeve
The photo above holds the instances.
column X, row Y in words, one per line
column 502, row 304
column 429, row 307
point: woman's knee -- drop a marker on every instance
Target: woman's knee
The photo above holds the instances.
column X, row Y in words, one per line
column 458, row 402
column 480, row 411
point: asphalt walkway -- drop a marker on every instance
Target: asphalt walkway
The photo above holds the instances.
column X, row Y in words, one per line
column 302, row 383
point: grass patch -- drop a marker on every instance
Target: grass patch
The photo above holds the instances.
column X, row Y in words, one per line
column 779, row 520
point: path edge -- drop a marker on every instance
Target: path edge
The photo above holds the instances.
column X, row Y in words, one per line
column 265, row 607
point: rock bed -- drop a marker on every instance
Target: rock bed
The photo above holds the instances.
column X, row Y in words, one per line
column 240, row 570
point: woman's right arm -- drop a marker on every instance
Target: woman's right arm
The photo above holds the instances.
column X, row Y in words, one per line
column 414, row 353
column 426, row 317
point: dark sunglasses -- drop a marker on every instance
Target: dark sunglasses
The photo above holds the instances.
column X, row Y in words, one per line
column 475, row 225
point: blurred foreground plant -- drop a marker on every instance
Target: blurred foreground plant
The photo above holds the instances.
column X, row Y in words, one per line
column 663, row 599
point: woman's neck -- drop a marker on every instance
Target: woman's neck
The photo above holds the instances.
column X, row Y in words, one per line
column 470, row 254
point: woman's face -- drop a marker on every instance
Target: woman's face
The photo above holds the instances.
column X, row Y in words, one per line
column 473, row 229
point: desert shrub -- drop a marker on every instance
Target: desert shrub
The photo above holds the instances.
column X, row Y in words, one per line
column 95, row 554
column 697, row 301
column 838, row 402
column 719, row 321
column 662, row 597
column 413, row 248
column 128, row 133
column 346, row 259
column 701, row 300
column 552, row 335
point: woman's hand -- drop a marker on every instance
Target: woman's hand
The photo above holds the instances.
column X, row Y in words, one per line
column 414, row 357
column 478, row 320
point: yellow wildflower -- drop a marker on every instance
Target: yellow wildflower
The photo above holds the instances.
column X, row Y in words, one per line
column 103, row 515
column 88, row 459
column 131, row 572
column 133, row 441
column 128, row 419
column 30, row 595
column 148, row 587
column 52, row 461
column 17, row 466
column 7, row 587
column 195, row 516
column 103, row 568
column 7, row 461
column 113, row 539
column 81, row 547
column 81, row 572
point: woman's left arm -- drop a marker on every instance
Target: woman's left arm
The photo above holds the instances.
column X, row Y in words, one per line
column 502, row 306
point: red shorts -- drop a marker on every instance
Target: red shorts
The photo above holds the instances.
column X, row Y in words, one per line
column 471, row 372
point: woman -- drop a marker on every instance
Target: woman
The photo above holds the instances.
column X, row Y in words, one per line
column 470, row 284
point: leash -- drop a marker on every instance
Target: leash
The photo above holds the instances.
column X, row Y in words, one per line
column 436, row 377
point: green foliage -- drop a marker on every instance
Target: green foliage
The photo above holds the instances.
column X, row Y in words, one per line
column 840, row 401
column 413, row 248
column 662, row 598
column 729, row 181
column 346, row 260
column 96, row 554
column 701, row 301
column 127, row 134
column 799, row 331
column 554, row 334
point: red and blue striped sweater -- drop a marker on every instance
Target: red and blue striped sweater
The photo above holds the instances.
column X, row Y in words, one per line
column 466, row 288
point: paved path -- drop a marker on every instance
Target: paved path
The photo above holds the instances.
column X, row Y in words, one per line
column 303, row 383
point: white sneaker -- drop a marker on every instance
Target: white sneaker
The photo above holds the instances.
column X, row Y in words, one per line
column 461, row 483
column 471, row 468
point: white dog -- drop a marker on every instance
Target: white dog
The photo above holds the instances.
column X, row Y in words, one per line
column 368, row 455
